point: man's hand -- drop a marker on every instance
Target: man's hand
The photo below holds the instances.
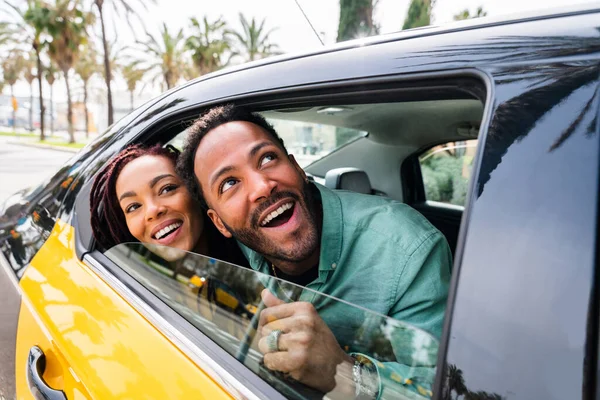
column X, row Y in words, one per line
column 308, row 350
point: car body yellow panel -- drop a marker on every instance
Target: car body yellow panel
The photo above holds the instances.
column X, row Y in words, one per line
column 97, row 346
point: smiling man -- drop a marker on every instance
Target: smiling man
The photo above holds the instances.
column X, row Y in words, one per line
column 367, row 250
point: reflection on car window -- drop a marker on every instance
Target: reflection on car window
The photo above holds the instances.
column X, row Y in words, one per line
column 224, row 302
column 446, row 171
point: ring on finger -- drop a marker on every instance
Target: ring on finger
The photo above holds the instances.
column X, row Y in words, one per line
column 273, row 340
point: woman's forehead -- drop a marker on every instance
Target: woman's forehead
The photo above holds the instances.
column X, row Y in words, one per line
column 142, row 170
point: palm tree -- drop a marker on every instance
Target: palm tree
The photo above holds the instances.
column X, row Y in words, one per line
column 33, row 22
column 133, row 74
column 50, row 73
column 67, row 27
column 209, row 43
column 465, row 14
column 118, row 6
column 12, row 68
column 168, row 55
column 29, row 75
column 86, row 67
column 254, row 41
column 356, row 19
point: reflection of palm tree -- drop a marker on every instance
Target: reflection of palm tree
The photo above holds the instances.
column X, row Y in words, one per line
column 515, row 118
column 455, row 382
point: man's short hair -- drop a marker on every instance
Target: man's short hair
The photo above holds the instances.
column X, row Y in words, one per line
column 208, row 121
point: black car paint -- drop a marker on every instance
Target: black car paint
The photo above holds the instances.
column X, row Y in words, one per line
column 522, row 300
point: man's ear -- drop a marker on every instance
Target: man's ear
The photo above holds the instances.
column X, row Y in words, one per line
column 300, row 170
column 214, row 217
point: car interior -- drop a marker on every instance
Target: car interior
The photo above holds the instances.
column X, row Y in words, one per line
column 381, row 158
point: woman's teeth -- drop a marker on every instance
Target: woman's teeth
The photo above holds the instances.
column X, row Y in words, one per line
column 277, row 213
column 166, row 230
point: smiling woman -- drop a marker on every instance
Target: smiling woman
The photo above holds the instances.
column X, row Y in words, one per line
column 139, row 197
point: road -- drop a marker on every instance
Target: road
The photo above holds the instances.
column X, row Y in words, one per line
column 20, row 167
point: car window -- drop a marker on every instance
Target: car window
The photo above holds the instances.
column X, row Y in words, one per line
column 307, row 141
column 223, row 301
column 446, row 170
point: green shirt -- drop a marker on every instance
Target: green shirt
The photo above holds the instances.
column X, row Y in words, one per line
column 382, row 255
column 379, row 254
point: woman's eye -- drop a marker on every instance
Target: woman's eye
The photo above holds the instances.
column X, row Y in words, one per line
column 227, row 184
column 168, row 188
column 132, row 207
column 267, row 159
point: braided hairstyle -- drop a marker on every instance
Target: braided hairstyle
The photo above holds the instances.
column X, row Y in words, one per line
column 108, row 220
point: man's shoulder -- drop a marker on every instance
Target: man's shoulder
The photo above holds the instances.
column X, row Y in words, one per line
column 370, row 215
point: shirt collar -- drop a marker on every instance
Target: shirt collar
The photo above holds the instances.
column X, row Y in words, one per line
column 332, row 229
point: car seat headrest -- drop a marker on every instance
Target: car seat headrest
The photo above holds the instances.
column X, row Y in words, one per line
column 353, row 179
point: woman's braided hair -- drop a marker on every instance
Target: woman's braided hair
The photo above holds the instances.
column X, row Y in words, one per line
column 108, row 220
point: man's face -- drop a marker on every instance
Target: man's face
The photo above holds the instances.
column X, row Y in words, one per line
column 256, row 192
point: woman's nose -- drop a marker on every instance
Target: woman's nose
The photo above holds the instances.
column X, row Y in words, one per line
column 154, row 210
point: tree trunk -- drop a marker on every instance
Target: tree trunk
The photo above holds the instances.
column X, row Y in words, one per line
column 69, row 109
column 131, row 100
column 31, row 106
column 14, row 112
column 85, row 109
column 39, row 77
column 107, row 75
column 52, row 110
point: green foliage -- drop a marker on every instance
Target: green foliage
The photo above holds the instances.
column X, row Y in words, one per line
column 465, row 14
column 208, row 44
column 419, row 14
column 356, row 20
column 345, row 135
column 253, row 41
column 443, row 178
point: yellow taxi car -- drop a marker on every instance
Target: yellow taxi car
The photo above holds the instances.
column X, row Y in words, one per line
column 488, row 128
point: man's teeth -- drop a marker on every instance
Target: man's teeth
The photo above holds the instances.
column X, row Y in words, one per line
column 166, row 230
column 276, row 213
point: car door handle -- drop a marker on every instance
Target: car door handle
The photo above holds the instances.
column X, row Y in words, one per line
column 36, row 364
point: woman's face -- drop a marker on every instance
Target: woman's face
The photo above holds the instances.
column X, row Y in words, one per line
column 157, row 206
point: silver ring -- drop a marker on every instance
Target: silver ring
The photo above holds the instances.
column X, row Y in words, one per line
column 273, row 340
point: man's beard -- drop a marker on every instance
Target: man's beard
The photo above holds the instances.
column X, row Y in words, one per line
column 305, row 245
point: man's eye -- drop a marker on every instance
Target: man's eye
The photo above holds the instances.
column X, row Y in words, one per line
column 227, row 184
column 267, row 159
column 168, row 188
column 132, row 207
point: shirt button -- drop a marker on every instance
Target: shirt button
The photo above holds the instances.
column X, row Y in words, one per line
column 333, row 265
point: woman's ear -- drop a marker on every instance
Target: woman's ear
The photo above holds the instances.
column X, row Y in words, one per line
column 214, row 217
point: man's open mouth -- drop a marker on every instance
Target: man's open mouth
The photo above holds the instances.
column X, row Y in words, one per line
column 279, row 216
column 167, row 230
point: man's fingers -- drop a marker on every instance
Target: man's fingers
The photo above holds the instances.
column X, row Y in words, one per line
column 270, row 299
column 279, row 361
column 282, row 343
column 285, row 310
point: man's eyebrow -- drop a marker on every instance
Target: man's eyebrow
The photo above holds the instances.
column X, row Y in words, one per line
column 220, row 172
column 259, row 146
column 156, row 179
column 126, row 194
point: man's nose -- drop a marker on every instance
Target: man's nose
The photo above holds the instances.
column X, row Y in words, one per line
column 261, row 187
